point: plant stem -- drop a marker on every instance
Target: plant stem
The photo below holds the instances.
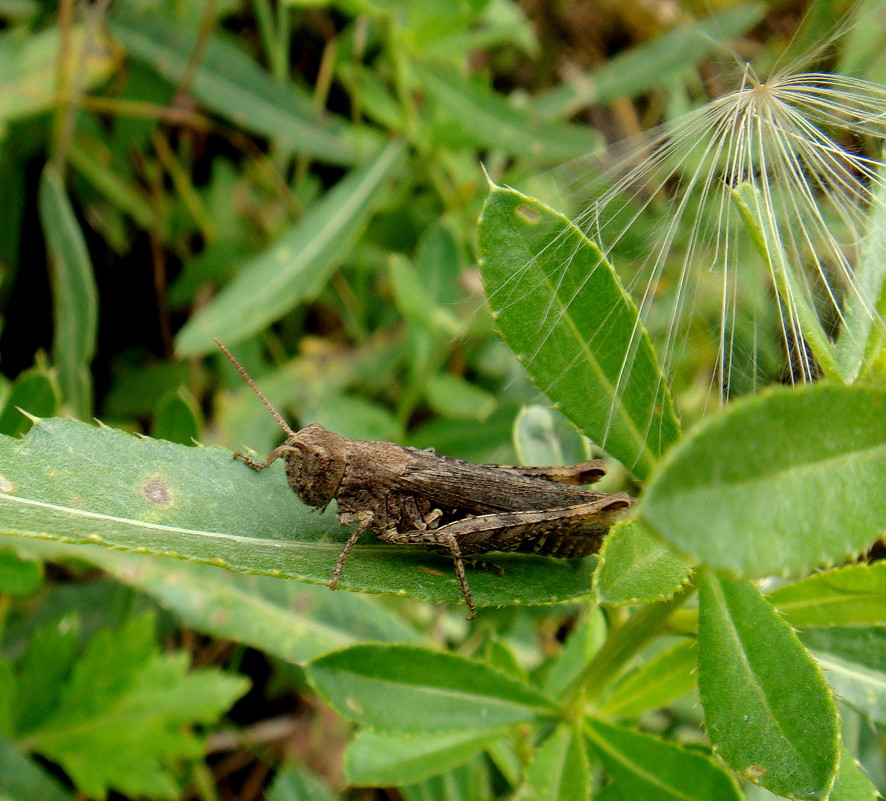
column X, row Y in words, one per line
column 622, row 644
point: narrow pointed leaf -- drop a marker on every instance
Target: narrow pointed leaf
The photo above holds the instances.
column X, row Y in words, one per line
column 847, row 596
column 233, row 86
column 297, row 265
column 74, row 294
column 657, row 682
column 402, row 689
column 852, row 784
column 559, row 770
column 562, row 310
column 768, row 710
column 853, row 659
column 75, row 483
column 388, row 760
column 782, row 481
column 643, row 766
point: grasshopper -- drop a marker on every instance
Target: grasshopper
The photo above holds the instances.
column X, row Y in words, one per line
column 409, row 496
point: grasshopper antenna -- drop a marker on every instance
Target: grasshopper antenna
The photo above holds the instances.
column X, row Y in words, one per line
column 242, row 370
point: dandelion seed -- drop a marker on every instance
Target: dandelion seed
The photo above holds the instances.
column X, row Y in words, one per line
column 771, row 198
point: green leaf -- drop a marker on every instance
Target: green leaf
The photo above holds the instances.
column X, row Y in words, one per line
column 291, row 620
column 636, row 568
column 403, row 689
column 35, row 392
column 293, row 784
column 544, row 438
column 561, row 672
column 232, row 85
column 853, row 659
column 177, row 418
column 297, row 265
column 845, row 596
column 657, row 682
column 451, row 396
column 642, row 766
column 651, row 64
column 491, row 121
column 28, row 83
column 19, row 576
column 50, row 653
column 74, row 295
column 390, row 760
column 559, row 769
column 464, row 783
column 768, row 711
column 757, row 213
column 852, row 784
column 562, row 310
column 862, row 333
column 71, row 482
column 124, row 713
column 747, row 490
column 22, row 779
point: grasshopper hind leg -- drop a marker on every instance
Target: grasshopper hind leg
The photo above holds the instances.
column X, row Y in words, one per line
column 439, row 542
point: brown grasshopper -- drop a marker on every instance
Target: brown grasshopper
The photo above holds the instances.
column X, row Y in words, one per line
column 409, row 496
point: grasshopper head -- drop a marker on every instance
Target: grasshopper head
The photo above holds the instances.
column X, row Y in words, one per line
column 316, row 460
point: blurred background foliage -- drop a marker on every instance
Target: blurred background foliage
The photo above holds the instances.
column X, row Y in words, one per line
column 302, row 180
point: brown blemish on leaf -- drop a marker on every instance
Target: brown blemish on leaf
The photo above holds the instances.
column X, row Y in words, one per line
column 528, row 213
column 6, row 485
column 156, row 491
column 754, row 772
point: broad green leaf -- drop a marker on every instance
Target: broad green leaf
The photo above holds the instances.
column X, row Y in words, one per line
column 846, row 596
column 390, row 760
column 768, row 710
column 403, row 689
column 297, row 265
column 853, row 659
column 131, row 744
column 643, row 766
column 29, row 73
column 232, row 85
column 294, row 784
column 47, row 660
column 785, row 480
column 291, row 620
column 74, row 483
column 636, row 568
column 177, row 418
column 657, row 682
column 23, row 779
column 562, row 310
column 74, row 295
column 651, row 64
column 35, row 392
column 451, row 396
column 559, row 769
column 18, row 576
column 491, row 121
column 852, row 784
